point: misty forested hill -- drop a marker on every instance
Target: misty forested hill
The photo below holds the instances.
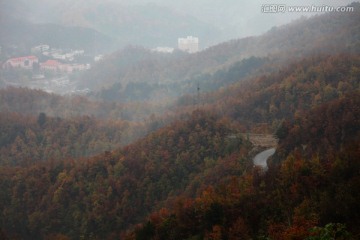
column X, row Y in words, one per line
column 33, row 102
column 193, row 178
column 25, row 35
column 167, row 76
column 197, row 181
column 187, row 169
column 271, row 98
column 26, row 140
column 258, row 104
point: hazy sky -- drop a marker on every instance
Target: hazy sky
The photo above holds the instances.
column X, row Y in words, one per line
column 244, row 17
column 239, row 18
column 235, row 18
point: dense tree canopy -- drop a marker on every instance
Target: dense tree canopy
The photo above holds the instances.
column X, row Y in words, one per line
column 27, row 139
column 106, row 194
column 304, row 188
column 74, row 168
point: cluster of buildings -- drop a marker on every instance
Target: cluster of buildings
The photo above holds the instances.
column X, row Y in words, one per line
column 189, row 44
column 32, row 63
column 56, row 66
column 57, row 53
column 59, row 62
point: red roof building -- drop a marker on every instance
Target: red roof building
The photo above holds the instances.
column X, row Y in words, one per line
column 21, row 62
column 50, row 65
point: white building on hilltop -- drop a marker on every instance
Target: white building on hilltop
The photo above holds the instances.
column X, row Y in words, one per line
column 163, row 49
column 189, row 44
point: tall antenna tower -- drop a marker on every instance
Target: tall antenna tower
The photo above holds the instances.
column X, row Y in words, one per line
column 198, row 94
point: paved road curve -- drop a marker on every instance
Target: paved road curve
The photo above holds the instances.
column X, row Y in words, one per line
column 261, row 158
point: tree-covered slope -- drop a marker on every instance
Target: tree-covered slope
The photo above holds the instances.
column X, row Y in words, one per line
column 103, row 196
column 271, row 98
column 26, row 139
column 199, row 170
column 33, row 102
column 308, row 193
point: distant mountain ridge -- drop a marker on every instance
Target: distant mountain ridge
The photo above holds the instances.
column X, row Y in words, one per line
column 25, row 35
column 328, row 33
column 148, row 25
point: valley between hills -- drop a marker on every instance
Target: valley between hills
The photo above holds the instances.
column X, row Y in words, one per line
column 163, row 145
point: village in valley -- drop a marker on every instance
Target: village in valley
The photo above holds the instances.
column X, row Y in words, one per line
column 50, row 69
column 56, row 70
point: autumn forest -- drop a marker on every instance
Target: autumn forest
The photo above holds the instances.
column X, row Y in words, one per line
column 168, row 156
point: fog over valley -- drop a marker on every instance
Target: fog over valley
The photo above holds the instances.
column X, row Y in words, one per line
column 159, row 119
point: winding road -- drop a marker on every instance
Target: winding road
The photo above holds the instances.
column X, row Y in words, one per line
column 261, row 158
